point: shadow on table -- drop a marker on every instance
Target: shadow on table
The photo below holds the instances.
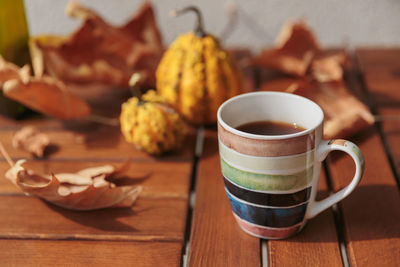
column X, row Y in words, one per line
column 95, row 135
column 104, row 219
column 383, row 99
column 369, row 213
column 103, row 137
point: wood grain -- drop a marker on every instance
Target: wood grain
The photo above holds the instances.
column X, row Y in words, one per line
column 167, row 180
column 391, row 128
column 216, row 239
column 35, row 233
column 315, row 245
column 371, row 213
column 88, row 253
column 94, row 143
column 39, row 121
column 149, row 219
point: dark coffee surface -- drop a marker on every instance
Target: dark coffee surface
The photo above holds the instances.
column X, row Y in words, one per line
column 270, row 128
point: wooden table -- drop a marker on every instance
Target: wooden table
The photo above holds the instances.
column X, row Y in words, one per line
column 183, row 216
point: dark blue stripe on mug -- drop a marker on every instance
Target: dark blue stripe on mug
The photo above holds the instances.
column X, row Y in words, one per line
column 268, row 199
column 271, row 217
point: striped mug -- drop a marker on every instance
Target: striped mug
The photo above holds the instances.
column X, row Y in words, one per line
column 271, row 180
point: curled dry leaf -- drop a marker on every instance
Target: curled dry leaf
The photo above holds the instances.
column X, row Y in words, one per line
column 294, row 50
column 344, row 114
column 298, row 53
column 98, row 53
column 44, row 94
column 30, row 139
column 9, row 71
column 327, row 68
column 88, row 189
column 48, row 96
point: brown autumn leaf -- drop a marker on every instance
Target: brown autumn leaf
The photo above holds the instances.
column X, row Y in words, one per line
column 99, row 53
column 9, row 71
column 88, row 189
column 31, row 140
column 294, row 50
column 43, row 94
column 48, row 96
column 329, row 67
column 298, row 53
column 344, row 114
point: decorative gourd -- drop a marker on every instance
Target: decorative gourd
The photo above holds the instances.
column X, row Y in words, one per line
column 196, row 75
column 150, row 123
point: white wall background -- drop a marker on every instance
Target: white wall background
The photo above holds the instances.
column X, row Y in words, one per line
column 336, row 23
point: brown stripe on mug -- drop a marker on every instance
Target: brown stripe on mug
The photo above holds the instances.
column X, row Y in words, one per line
column 267, row 148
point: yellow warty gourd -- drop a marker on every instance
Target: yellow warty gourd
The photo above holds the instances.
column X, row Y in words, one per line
column 152, row 125
column 196, row 75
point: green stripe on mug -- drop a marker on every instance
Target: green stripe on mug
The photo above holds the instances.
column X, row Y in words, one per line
column 286, row 164
column 266, row 182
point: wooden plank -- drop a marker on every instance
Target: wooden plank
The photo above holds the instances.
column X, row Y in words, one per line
column 213, row 222
column 25, row 217
column 391, row 128
column 160, row 212
column 88, row 253
column 371, row 213
column 319, row 244
column 315, row 245
column 98, row 142
column 159, row 180
column 37, row 121
column 381, row 71
column 216, row 239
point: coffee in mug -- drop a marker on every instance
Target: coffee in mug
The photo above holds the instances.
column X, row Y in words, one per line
column 270, row 128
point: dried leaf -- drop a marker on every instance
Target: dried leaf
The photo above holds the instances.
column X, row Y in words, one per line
column 329, row 67
column 30, row 139
column 44, row 94
column 286, row 63
column 294, row 50
column 9, row 71
column 98, row 53
column 48, row 96
column 87, row 189
column 344, row 114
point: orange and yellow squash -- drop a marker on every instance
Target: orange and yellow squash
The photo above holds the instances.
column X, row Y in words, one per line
column 196, row 75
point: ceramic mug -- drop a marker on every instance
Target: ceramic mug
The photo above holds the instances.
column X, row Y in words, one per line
column 271, row 180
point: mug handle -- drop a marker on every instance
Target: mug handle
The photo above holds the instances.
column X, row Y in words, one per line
column 322, row 151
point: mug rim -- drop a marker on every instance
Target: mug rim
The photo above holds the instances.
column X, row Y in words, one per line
column 268, row 137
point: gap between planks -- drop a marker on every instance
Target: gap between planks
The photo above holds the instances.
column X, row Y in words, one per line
column 378, row 123
column 118, row 160
column 264, row 252
column 89, row 237
column 199, row 145
column 338, row 218
column 355, row 77
column 142, row 196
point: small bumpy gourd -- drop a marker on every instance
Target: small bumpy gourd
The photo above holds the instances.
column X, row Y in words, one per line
column 196, row 75
column 151, row 124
